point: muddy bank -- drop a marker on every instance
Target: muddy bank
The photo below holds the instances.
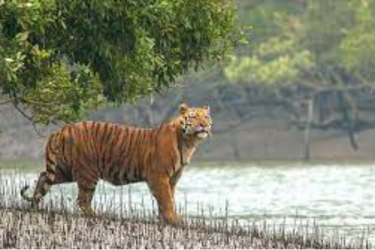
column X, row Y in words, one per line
column 267, row 136
column 274, row 139
column 24, row 229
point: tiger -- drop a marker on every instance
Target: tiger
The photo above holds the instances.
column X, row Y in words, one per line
column 90, row 151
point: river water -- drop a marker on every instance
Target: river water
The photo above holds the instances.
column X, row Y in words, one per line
column 330, row 195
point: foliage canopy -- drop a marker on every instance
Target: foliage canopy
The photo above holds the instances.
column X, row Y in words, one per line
column 61, row 58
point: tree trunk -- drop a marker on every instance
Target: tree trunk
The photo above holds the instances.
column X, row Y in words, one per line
column 310, row 110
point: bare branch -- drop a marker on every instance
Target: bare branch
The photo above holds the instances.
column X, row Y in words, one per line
column 23, row 112
column 7, row 101
column 30, row 119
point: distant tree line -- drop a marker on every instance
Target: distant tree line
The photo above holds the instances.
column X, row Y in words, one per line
column 317, row 58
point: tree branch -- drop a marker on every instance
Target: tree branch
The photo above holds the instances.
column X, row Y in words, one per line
column 28, row 118
column 7, row 101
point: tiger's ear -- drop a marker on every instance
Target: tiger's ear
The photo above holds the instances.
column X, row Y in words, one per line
column 183, row 108
column 208, row 109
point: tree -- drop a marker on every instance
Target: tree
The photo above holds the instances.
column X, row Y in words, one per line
column 61, row 59
column 316, row 57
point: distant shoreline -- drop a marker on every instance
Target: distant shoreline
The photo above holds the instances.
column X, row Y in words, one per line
column 38, row 164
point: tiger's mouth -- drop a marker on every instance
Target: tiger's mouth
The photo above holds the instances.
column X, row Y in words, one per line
column 202, row 134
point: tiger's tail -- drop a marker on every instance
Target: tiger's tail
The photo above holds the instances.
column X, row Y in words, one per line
column 46, row 178
column 24, row 195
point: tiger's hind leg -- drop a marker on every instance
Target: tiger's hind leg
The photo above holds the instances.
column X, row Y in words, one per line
column 45, row 180
column 51, row 176
column 42, row 187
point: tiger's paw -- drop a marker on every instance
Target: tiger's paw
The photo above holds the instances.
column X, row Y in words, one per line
column 171, row 220
column 88, row 211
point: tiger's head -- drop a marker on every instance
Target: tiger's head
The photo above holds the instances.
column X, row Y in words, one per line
column 195, row 122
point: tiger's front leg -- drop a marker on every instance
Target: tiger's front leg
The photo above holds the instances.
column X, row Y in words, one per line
column 173, row 182
column 87, row 179
column 161, row 190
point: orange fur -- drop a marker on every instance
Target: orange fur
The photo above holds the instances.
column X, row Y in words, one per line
column 88, row 151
